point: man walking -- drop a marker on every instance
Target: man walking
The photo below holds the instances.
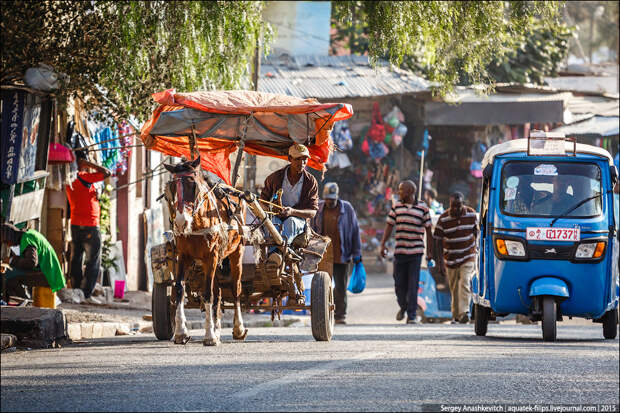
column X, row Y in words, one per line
column 457, row 228
column 411, row 219
column 85, row 235
column 336, row 218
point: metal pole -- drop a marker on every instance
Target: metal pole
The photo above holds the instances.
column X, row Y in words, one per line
column 420, row 179
column 240, row 148
column 192, row 143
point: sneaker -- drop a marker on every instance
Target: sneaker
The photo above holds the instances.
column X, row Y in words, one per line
column 453, row 322
column 464, row 319
column 416, row 320
column 400, row 314
column 92, row 300
column 340, row 321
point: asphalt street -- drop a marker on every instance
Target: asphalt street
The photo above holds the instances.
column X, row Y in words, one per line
column 372, row 364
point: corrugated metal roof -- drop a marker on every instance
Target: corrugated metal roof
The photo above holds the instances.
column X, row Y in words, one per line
column 330, row 77
column 595, row 126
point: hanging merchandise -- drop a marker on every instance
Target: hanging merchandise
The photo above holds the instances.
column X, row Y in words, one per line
column 378, row 150
column 126, row 139
column 376, row 133
column 341, row 136
column 59, row 153
column 477, row 153
column 338, row 160
column 366, row 147
column 425, row 140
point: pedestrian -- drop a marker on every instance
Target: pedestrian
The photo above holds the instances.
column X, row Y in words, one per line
column 37, row 264
column 457, row 228
column 85, row 234
column 336, row 218
column 430, row 198
column 411, row 219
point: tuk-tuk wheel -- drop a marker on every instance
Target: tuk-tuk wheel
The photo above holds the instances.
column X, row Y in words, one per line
column 610, row 324
column 549, row 317
column 163, row 312
column 481, row 319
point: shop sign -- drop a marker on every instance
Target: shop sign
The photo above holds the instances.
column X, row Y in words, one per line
column 11, row 132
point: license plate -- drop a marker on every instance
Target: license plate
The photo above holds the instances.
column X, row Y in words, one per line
column 553, row 234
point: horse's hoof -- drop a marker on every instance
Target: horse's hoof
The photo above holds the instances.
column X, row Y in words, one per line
column 181, row 339
column 210, row 342
column 240, row 337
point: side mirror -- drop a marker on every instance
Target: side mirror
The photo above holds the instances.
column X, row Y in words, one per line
column 613, row 172
column 487, row 173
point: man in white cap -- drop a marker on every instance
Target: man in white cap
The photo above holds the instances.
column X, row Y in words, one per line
column 336, row 218
column 299, row 195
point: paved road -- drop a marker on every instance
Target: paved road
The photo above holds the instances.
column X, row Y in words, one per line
column 373, row 364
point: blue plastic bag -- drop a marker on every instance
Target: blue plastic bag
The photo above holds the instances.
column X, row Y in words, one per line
column 357, row 282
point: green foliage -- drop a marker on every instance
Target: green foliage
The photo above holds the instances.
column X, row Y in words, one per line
column 104, row 224
column 533, row 55
column 596, row 25
column 131, row 49
column 452, row 41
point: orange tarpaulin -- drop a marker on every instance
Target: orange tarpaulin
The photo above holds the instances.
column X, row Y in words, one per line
column 269, row 122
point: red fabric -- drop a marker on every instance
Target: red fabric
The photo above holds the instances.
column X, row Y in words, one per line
column 84, row 204
column 377, row 129
column 59, row 153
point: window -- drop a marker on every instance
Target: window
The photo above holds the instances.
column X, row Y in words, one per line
column 549, row 189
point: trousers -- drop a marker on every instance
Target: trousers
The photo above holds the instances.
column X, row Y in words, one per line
column 341, row 276
column 406, row 280
column 459, row 279
column 85, row 246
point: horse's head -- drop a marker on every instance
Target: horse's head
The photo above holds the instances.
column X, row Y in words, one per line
column 184, row 187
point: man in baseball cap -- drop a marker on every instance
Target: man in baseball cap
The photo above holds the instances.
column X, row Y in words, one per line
column 297, row 191
column 336, row 218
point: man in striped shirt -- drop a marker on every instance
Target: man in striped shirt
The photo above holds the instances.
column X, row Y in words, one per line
column 458, row 229
column 411, row 219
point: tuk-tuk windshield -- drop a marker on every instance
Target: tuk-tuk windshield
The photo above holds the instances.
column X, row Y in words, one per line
column 548, row 189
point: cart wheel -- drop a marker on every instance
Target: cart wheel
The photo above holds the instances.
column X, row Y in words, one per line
column 610, row 324
column 163, row 313
column 321, row 311
column 549, row 316
column 481, row 319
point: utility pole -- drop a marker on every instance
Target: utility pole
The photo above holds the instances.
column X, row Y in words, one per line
column 250, row 160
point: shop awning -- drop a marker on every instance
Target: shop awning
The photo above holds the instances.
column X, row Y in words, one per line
column 596, row 127
column 469, row 108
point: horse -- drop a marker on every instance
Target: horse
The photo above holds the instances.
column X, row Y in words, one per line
column 205, row 228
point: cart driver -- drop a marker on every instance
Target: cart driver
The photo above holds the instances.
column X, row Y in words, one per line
column 299, row 196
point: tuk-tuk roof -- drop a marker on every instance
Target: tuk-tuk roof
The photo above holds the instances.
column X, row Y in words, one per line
column 268, row 124
column 520, row 145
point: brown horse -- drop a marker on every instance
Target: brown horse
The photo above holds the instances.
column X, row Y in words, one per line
column 205, row 230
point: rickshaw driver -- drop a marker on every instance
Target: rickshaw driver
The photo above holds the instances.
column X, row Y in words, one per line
column 556, row 202
column 299, row 196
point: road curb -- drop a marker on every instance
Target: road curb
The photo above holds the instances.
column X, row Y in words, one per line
column 106, row 329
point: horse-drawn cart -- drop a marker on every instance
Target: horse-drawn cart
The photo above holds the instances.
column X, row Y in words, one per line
column 202, row 264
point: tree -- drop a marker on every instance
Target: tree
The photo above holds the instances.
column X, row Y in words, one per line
column 453, row 41
column 596, row 24
column 119, row 53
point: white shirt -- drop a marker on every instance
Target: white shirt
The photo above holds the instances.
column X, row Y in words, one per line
column 291, row 193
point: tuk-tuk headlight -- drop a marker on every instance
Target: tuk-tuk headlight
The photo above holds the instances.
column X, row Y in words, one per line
column 590, row 250
column 510, row 248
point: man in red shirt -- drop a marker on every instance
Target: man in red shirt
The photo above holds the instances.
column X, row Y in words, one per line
column 86, row 238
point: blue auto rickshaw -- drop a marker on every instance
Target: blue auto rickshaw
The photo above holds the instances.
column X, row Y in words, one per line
column 548, row 234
